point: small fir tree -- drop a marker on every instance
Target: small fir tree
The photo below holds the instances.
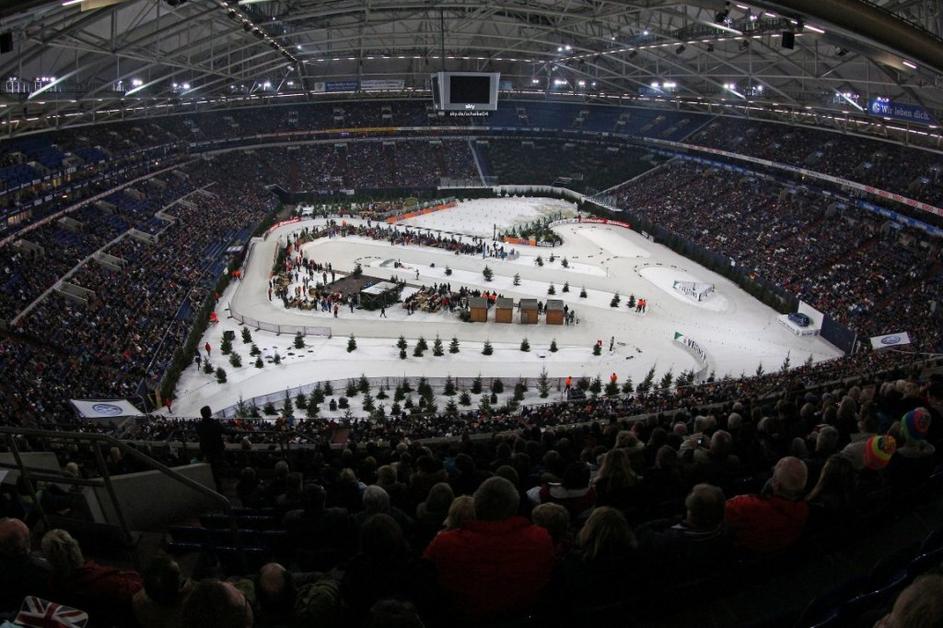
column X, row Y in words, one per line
column 246, row 336
column 401, row 343
column 595, row 386
column 351, row 344
column 666, row 380
column 543, row 384
column 254, row 350
column 487, row 349
column 464, row 398
column 328, row 389
column 476, row 385
column 453, row 346
column 517, row 279
column 449, row 388
column 351, row 390
column 235, row 359
column 553, row 346
column 221, row 375
column 437, row 349
column 277, row 359
column 226, row 346
column 525, row 346
column 487, row 273
column 583, row 292
column 612, row 388
column 299, row 341
column 566, row 286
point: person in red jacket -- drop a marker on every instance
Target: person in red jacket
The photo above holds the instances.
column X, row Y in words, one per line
column 103, row 592
column 773, row 520
column 496, row 565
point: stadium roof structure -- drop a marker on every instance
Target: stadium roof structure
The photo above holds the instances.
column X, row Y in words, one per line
column 72, row 62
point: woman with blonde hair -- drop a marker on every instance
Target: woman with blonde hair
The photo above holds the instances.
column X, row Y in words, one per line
column 604, row 565
column 616, row 483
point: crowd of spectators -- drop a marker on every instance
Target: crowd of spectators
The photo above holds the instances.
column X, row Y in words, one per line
column 912, row 173
column 561, row 524
column 126, row 333
column 846, row 262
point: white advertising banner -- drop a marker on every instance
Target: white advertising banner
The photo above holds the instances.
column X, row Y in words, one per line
column 382, row 84
column 104, row 408
column 890, row 340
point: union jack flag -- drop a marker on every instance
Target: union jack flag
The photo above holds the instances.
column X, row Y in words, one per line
column 39, row 613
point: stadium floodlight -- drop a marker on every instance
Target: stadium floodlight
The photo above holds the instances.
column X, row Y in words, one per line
column 581, row 83
column 534, row 81
column 136, row 82
column 669, row 85
column 909, row 64
column 568, row 48
column 815, row 29
column 645, row 32
column 69, row 3
column 185, row 86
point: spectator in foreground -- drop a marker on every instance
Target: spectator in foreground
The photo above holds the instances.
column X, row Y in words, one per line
column 160, row 603
column 103, row 592
column 772, row 520
column 21, row 572
column 918, row 606
column 218, row 604
column 702, row 539
column 604, row 567
column 496, row 565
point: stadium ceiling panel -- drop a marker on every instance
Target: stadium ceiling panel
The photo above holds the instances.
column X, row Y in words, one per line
column 75, row 61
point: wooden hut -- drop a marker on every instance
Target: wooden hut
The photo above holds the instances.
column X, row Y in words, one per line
column 478, row 308
column 554, row 312
column 504, row 310
column 529, row 311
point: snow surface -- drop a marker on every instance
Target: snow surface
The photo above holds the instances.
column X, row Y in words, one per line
column 736, row 337
column 664, row 277
column 479, row 216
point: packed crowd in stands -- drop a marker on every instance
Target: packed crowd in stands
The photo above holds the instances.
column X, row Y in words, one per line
column 886, row 166
column 108, row 154
column 139, row 315
column 561, row 525
column 869, row 275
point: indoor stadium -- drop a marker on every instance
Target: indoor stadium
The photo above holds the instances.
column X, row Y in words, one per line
column 465, row 314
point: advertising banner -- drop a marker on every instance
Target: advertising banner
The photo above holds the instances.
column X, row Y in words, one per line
column 382, row 84
column 104, row 408
column 890, row 340
column 887, row 108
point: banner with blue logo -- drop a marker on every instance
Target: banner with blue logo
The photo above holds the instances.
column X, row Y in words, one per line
column 104, row 408
column 336, row 86
column 890, row 340
column 887, row 108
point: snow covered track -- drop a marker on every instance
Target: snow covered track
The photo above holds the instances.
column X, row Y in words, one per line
column 735, row 331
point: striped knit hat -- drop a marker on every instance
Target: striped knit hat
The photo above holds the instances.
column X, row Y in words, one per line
column 878, row 451
column 915, row 424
